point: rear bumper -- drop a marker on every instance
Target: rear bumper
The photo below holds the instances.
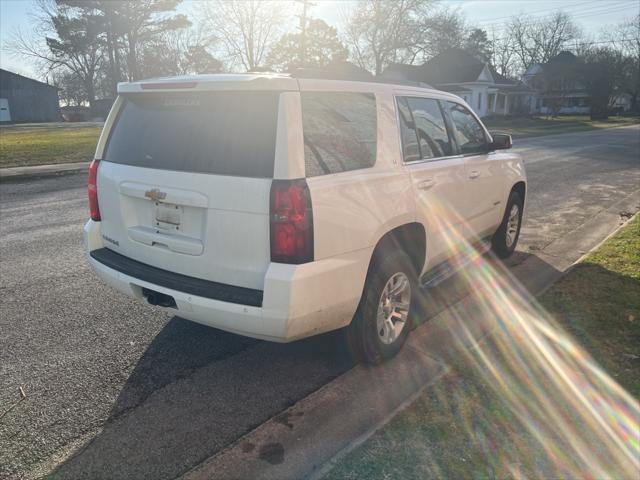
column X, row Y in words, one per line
column 297, row 300
column 175, row 281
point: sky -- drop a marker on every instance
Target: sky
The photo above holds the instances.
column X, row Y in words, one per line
column 591, row 15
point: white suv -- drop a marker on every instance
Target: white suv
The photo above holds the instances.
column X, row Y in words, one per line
column 280, row 207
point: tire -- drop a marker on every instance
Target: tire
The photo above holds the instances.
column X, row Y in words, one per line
column 375, row 341
column 505, row 239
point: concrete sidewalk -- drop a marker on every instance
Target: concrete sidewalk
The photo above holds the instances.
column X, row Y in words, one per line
column 37, row 171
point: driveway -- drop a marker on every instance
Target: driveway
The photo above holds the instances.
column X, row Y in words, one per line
column 160, row 394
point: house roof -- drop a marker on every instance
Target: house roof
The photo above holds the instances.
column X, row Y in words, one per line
column 22, row 77
column 563, row 57
column 451, row 66
column 501, row 79
column 560, row 62
column 448, row 70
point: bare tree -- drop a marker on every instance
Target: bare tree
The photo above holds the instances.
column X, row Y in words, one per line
column 72, row 89
column 625, row 38
column 503, row 55
column 439, row 30
column 71, row 43
column 179, row 52
column 247, row 29
column 538, row 40
column 379, row 32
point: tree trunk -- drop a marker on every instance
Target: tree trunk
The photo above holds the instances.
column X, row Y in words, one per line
column 599, row 109
column 91, row 93
column 132, row 58
column 112, row 63
column 113, row 53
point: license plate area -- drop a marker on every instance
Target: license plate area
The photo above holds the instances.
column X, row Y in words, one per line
column 168, row 216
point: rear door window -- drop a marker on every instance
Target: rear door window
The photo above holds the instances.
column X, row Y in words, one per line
column 222, row 133
column 340, row 131
column 430, row 127
column 410, row 148
column 469, row 133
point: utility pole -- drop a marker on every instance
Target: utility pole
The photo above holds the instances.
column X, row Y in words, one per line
column 306, row 5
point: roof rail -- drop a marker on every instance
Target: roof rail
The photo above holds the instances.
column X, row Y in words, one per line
column 352, row 75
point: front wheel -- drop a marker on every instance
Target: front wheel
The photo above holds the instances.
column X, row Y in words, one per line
column 381, row 323
column 506, row 237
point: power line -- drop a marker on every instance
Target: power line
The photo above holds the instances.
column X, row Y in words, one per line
column 596, row 10
column 599, row 42
column 614, row 9
column 534, row 12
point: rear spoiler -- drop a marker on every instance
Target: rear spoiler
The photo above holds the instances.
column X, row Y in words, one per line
column 212, row 82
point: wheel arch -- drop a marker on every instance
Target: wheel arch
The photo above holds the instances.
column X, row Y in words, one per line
column 410, row 237
column 521, row 188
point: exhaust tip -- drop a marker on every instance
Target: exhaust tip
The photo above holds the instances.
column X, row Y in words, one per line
column 159, row 299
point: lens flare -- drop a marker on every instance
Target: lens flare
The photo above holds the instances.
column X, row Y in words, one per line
column 582, row 423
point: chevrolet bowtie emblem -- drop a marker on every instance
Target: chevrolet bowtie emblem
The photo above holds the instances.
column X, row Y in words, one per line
column 155, row 194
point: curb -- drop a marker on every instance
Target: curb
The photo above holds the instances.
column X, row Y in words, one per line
column 15, row 174
column 575, row 264
column 536, row 136
column 620, row 227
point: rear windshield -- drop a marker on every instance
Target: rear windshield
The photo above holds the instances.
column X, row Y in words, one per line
column 224, row 133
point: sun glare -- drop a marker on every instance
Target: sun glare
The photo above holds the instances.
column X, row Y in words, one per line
column 583, row 421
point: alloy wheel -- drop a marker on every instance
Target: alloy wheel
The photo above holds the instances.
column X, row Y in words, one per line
column 393, row 308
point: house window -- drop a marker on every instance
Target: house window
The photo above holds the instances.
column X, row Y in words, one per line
column 479, row 101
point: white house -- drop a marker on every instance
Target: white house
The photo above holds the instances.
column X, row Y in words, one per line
column 458, row 72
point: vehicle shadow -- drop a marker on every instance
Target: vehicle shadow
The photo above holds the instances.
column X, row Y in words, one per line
column 196, row 390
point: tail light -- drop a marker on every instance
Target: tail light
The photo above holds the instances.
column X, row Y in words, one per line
column 291, row 222
column 92, row 190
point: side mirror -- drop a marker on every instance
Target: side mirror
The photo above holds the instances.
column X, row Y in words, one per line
column 501, row 141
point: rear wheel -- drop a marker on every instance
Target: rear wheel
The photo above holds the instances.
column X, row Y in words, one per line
column 506, row 237
column 381, row 323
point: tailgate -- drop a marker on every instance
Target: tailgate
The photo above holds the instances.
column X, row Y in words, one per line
column 184, row 183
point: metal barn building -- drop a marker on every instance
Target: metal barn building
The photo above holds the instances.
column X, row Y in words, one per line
column 24, row 99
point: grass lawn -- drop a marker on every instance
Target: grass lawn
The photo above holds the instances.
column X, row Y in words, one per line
column 50, row 143
column 463, row 428
column 538, row 126
column 40, row 144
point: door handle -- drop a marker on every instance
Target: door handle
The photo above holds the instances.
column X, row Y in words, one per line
column 474, row 174
column 426, row 184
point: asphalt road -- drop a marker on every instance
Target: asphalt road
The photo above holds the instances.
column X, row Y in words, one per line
column 137, row 393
